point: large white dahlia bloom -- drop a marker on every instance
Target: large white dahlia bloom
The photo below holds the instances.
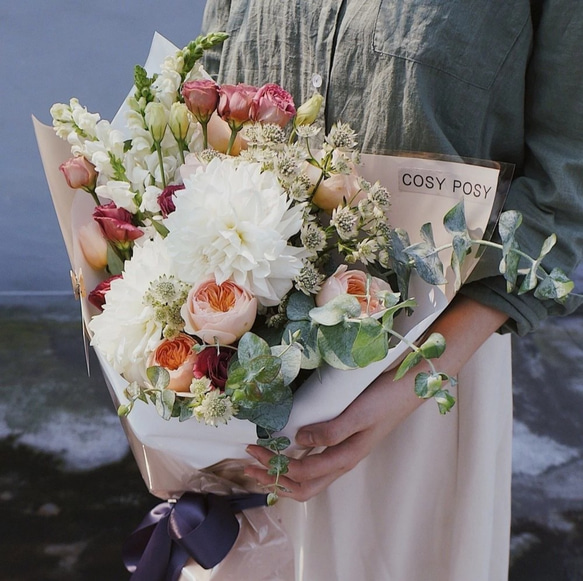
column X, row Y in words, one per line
column 126, row 332
column 233, row 221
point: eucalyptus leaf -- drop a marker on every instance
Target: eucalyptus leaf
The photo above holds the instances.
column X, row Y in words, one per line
column 408, row 363
column 399, row 260
column 291, row 360
column 339, row 309
column 165, row 403
column 371, row 343
column 445, row 401
column 299, row 306
column 158, row 377
column 335, row 344
column 278, row 464
column 433, row 347
column 455, row 220
column 271, row 414
column 461, row 244
column 262, row 369
column 276, row 444
column 508, row 224
column 427, row 384
column 186, row 412
column 556, row 286
column 426, row 259
column 308, row 339
column 389, row 314
column 250, row 346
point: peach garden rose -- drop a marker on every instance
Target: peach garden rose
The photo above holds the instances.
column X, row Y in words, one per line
column 353, row 282
column 219, row 311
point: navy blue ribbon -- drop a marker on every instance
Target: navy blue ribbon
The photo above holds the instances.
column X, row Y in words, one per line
column 201, row 526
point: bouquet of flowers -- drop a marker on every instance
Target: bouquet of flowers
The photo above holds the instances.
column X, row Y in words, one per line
column 240, row 260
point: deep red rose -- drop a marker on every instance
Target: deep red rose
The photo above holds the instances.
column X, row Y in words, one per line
column 97, row 296
column 213, row 364
column 116, row 224
column 165, row 200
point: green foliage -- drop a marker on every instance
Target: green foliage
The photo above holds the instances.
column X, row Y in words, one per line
column 426, row 257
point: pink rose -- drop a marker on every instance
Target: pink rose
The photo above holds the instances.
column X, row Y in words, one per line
column 235, row 103
column 93, row 245
column 334, row 190
column 353, row 282
column 201, row 97
column 222, row 311
column 97, row 296
column 116, row 224
column 214, row 364
column 177, row 357
column 79, row 173
column 272, row 104
column 165, row 200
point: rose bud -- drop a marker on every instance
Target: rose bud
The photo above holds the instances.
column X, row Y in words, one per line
column 219, row 134
column 155, row 117
column 235, row 103
column 308, row 111
column 333, row 191
column 219, row 311
column 354, row 282
column 165, row 200
column 201, row 97
column 177, row 357
column 116, row 224
column 214, row 364
column 79, row 173
column 97, row 296
column 93, row 245
column 272, row 104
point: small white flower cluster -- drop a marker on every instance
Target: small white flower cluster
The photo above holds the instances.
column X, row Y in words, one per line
column 166, row 295
column 210, row 405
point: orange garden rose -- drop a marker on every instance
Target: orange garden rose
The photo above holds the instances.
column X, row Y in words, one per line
column 219, row 311
column 177, row 357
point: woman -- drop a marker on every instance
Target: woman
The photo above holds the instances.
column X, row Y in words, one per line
column 400, row 493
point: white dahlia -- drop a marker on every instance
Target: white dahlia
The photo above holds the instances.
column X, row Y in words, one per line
column 127, row 330
column 233, row 221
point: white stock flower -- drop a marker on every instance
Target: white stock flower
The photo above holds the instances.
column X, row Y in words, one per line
column 150, row 199
column 233, row 222
column 120, row 193
column 127, row 331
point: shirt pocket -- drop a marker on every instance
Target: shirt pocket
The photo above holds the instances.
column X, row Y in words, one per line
column 466, row 39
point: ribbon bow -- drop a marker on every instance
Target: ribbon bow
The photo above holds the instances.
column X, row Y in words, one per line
column 201, row 526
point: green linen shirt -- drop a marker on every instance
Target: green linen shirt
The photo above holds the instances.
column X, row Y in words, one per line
column 485, row 79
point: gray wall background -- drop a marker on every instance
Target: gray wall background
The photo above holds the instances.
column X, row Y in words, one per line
column 51, row 51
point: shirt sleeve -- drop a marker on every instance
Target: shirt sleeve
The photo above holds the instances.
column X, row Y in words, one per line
column 549, row 192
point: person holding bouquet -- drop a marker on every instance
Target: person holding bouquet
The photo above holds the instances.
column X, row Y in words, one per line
column 394, row 491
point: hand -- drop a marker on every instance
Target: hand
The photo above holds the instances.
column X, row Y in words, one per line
column 379, row 409
column 348, row 438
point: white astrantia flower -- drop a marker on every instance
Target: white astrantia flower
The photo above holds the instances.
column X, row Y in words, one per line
column 216, row 408
column 127, row 331
column 233, row 221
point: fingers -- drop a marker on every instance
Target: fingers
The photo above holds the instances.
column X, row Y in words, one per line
column 309, row 476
